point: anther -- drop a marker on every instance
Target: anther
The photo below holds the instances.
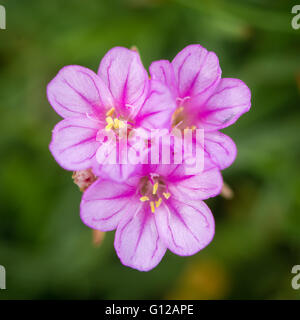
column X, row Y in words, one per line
column 144, row 198
column 110, row 123
column 109, row 120
column 116, row 123
column 155, row 187
column 177, row 111
column 167, row 195
column 158, row 202
column 152, row 206
column 109, row 126
column 110, row 112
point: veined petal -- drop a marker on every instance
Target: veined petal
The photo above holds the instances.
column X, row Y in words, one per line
column 198, row 187
column 231, row 99
column 122, row 71
column 162, row 71
column 105, row 202
column 220, row 148
column 196, row 70
column 158, row 108
column 74, row 143
column 137, row 242
column 185, row 227
column 119, row 172
column 77, row 91
column 113, row 161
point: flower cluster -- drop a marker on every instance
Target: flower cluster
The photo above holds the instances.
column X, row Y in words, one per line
column 152, row 206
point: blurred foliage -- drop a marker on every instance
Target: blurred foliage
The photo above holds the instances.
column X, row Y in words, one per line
column 46, row 249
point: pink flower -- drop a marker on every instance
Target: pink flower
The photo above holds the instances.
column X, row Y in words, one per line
column 120, row 96
column 160, row 208
column 204, row 100
column 152, row 207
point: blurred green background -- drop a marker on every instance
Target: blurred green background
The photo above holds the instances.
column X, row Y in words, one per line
column 46, row 249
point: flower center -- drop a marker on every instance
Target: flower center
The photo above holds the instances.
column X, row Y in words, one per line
column 113, row 123
column 180, row 117
column 153, row 190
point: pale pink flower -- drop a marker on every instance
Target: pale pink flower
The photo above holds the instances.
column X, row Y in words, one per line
column 204, row 100
column 157, row 209
column 120, row 96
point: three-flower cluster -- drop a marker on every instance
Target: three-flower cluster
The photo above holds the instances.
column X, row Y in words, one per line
column 152, row 206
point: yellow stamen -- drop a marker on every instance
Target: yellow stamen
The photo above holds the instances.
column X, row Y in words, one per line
column 144, row 198
column 176, row 113
column 109, row 126
column 152, row 206
column 167, row 195
column 178, row 110
column 116, row 123
column 158, row 202
column 109, row 120
column 155, row 186
column 110, row 112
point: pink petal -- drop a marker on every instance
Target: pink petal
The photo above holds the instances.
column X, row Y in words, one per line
column 105, row 202
column 157, row 110
column 220, row 148
column 122, row 71
column 107, row 153
column 113, row 162
column 119, row 172
column 137, row 242
column 74, row 143
column 185, row 227
column 231, row 99
column 198, row 187
column 197, row 71
column 77, row 91
column 162, row 71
